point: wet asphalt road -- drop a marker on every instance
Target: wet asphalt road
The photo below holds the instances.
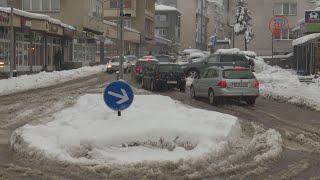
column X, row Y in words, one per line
column 299, row 127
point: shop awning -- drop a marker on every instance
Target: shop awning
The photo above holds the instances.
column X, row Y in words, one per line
column 305, row 39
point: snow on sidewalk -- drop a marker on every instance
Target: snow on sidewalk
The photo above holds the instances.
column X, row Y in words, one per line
column 155, row 128
column 284, row 85
column 45, row 79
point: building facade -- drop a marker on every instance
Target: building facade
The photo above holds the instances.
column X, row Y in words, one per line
column 192, row 35
column 262, row 12
column 167, row 25
column 88, row 27
column 41, row 43
column 142, row 14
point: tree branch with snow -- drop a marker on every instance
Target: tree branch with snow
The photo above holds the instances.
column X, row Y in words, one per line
column 243, row 24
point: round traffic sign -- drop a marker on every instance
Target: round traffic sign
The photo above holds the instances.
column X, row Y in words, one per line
column 279, row 25
column 118, row 96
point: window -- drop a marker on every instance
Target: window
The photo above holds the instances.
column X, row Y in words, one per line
column 289, row 9
column 55, row 5
column 213, row 59
column 163, row 18
column 3, row 3
column 161, row 32
column 96, row 8
column 127, row 23
column 227, row 58
column 115, row 4
column 36, row 6
column 41, row 5
column 212, row 73
column 46, row 5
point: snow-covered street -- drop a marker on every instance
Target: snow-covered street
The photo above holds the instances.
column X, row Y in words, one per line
column 249, row 141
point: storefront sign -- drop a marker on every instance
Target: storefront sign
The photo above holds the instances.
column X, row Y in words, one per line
column 4, row 18
column 26, row 23
column 312, row 22
column 312, row 16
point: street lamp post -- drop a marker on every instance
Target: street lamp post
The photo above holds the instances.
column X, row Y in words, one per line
column 121, row 54
column 11, row 54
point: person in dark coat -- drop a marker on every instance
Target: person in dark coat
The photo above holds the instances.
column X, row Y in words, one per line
column 58, row 60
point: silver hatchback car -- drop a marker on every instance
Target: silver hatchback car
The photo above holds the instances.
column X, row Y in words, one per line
column 219, row 83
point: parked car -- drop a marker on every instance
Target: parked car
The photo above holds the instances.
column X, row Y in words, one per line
column 218, row 83
column 139, row 68
column 164, row 58
column 161, row 76
column 114, row 65
column 195, row 68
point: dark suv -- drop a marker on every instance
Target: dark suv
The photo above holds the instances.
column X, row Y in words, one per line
column 194, row 69
column 161, row 76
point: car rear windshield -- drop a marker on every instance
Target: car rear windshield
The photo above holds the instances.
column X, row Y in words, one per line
column 238, row 74
column 163, row 58
column 169, row 68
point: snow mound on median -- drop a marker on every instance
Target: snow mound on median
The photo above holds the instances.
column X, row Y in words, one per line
column 45, row 79
column 155, row 128
column 284, row 85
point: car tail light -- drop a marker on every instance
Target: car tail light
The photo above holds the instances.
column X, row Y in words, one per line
column 158, row 76
column 256, row 84
column 138, row 70
column 222, row 84
column 238, row 68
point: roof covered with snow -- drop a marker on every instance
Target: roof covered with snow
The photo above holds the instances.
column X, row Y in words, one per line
column 305, row 39
column 160, row 7
column 36, row 16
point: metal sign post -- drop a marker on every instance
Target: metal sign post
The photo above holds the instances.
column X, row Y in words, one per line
column 121, row 55
column 11, row 55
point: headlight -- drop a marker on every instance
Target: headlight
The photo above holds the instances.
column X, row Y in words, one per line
column 1, row 63
column 109, row 66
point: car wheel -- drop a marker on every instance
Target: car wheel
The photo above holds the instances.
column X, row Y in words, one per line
column 251, row 101
column 142, row 84
column 193, row 73
column 192, row 93
column 212, row 99
column 152, row 86
column 182, row 89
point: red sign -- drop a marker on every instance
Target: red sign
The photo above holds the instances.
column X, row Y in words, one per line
column 279, row 25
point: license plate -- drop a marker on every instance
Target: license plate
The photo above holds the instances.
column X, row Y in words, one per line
column 240, row 84
column 172, row 82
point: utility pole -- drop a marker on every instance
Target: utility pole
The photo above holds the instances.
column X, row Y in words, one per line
column 201, row 24
column 11, row 55
column 121, row 54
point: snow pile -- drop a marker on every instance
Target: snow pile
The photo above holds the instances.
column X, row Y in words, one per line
column 284, row 85
column 90, row 133
column 45, row 79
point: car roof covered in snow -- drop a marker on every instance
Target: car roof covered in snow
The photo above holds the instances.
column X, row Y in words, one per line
column 234, row 51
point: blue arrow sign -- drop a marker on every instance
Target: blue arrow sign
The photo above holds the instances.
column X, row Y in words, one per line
column 118, row 96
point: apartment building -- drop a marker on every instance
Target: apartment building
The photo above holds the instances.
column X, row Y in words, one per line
column 142, row 14
column 262, row 12
column 167, row 24
column 192, row 35
column 85, row 15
